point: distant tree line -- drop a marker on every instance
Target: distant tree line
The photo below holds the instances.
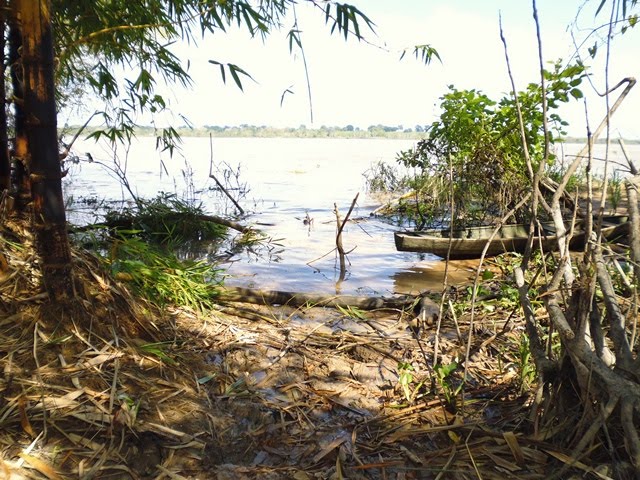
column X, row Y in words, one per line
column 302, row 131
column 379, row 128
column 244, row 130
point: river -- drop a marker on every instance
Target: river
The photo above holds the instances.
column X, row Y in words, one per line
column 284, row 180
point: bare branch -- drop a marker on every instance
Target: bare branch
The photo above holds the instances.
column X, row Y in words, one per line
column 614, row 315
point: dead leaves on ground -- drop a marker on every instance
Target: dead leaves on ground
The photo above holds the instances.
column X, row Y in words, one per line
column 112, row 388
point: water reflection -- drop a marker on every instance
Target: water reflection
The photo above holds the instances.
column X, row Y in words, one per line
column 431, row 276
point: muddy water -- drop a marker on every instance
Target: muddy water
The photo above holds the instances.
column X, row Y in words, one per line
column 289, row 180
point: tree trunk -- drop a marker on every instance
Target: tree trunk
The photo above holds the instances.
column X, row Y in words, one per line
column 49, row 220
column 5, row 162
column 20, row 187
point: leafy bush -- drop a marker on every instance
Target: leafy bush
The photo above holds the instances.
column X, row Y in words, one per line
column 474, row 151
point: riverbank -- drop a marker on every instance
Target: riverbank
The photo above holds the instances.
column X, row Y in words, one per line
column 109, row 385
column 251, row 131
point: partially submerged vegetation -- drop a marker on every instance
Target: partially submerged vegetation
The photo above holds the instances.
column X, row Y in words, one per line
column 472, row 160
column 150, row 247
column 160, row 277
column 167, row 220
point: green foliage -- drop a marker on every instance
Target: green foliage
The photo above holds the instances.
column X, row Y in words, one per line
column 234, row 70
column 425, row 53
column 382, row 177
column 615, row 190
column 557, row 171
column 346, row 19
column 157, row 349
column 160, row 277
column 168, row 220
column 509, row 296
column 480, row 290
column 129, row 408
column 352, row 312
column 405, row 380
column 475, row 149
column 526, row 366
column 449, row 386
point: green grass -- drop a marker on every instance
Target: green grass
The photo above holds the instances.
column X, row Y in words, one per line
column 159, row 276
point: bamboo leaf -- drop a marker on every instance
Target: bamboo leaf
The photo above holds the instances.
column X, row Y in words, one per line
column 425, row 53
column 222, row 71
column 236, row 78
column 602, row 3
column 234, row 70
column 294, row 37
column 288, row 90
column 43, row 467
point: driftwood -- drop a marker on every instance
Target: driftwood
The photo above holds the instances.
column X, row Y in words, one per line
column 227, row 223
column 297, row 299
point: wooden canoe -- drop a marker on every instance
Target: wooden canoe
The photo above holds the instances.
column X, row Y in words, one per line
column 470, row 242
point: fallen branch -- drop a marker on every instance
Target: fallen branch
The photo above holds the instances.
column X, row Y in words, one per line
column 227, row 223
column 298, row 299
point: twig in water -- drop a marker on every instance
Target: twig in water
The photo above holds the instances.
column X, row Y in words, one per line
column 339, row 246
column 215, row 179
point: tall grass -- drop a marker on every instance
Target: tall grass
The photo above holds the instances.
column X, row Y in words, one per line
column 159, row 276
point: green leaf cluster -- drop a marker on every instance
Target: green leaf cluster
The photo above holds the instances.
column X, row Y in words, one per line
column 424, row 53
column 450, row 386
column 346, row 19
column 473, row 159
column 162, row 278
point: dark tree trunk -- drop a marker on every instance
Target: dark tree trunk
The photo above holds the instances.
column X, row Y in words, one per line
column 20, row 185
column 49, row 220
column 5, row 162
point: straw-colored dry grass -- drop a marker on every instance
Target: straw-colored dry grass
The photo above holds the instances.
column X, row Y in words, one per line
column 110, row 387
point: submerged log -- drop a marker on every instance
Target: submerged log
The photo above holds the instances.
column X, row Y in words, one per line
column 298, row 299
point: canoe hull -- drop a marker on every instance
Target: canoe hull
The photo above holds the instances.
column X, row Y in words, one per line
column 470, row 242
column 464, row 244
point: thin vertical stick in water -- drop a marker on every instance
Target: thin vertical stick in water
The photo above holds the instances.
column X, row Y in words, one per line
column 339, row 246
column 220, row 186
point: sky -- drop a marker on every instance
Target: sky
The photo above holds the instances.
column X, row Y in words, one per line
column 360, row 84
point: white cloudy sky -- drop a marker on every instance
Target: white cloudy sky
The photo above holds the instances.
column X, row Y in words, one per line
column 355, row 83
